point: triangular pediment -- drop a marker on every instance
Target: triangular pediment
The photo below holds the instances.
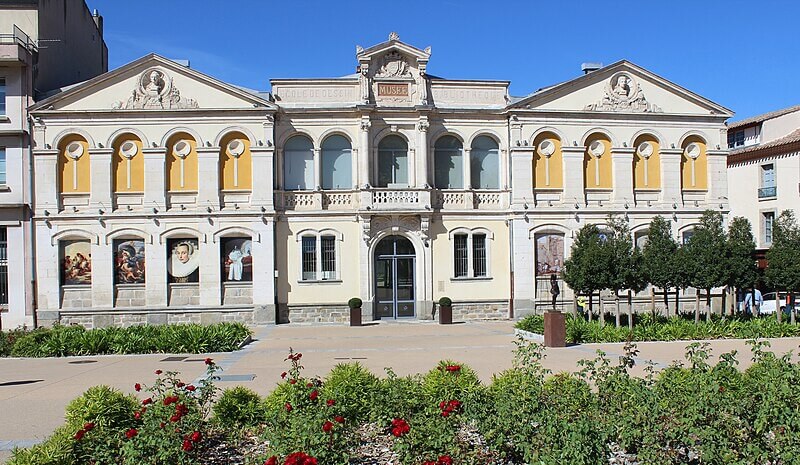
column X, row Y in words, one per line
column 393, row 44
column 622, row 87
column 153, row 83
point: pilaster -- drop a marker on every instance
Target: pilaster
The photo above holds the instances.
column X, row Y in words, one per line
column 717, row 179
column 466, row 160
column 263, row 181
column 154, row 179
column 671, row 176
column 156, row 278
column 100, row 169
column 622, row 167
column 210, row 270
column 45, row 166
column 363, row 152
column 208, row 176
column 102, row 275
column 522, row 176
column 421, row 155
column 573, row 174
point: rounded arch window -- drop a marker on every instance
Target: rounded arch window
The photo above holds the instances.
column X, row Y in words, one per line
column 392, row 162
column 448, row 163
column 394, row 245
column 298, row 164
column 337, row 165
column 485, row 163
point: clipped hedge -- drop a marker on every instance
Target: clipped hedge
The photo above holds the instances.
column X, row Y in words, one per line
column 676, row 328
column 60, row 341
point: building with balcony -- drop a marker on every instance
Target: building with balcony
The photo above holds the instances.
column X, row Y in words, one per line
column 764, row 170
column 43, row 45
column 167, row 195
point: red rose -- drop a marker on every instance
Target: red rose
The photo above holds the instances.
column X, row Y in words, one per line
column 453, row 368
column 445, row 414
column 190, row 388
column 330, row 402
column 162, row 425
column 131, row 433
column 187, row 445
column 272, row 461
column 147, row 401
column 137, row 387
column 137, row 415
column 445, row 460
column 338, row 419
column 314, row 394
column 88, row 426
column 196, row 436
column 283, row 375
column 327, row 426
column 158, row 372
column 181, row 384
column 209, row 361
column 288, row 407
column 79, row 434
column 175, row 418
column 292, row 381
column 309, row 385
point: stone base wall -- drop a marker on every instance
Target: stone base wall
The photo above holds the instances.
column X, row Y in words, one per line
column 479, row 311
column 183, row 294
column 101, row 320
column 237, row 293
column 76, row 296
column 317, row 314
column 130, row 295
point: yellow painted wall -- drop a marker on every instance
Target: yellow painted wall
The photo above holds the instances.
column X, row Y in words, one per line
column 66, row 165
column 226, row 165
column 700, row 167
column 653, row 165
column 174, row 165
column 497, row 288
column 120, row 166
column 590, row 165
column 556, row 164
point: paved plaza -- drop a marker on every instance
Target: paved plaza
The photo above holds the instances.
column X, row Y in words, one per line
column 34, row 392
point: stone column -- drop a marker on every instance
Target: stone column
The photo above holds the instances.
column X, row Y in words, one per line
column 622, row 168
column 101, row 184
column 522, row 176
column 208, row 177
column 262, row 191
column 573, row 175
column 264, row 272
column 671, row 176
column 364, row 153
column 354, row 183
column 421, row 160
column 279, row 181
column 317, row 169
column 467, row 168
column 155, row 161
column 504, row 168
column 412, row 166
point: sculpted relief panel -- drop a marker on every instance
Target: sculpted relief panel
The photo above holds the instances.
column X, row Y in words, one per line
column 155, row 90
column 623, row 93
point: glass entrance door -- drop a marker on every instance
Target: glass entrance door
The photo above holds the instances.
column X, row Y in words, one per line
column 394, row 278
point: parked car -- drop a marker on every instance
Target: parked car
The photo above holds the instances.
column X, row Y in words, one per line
column 770, row 304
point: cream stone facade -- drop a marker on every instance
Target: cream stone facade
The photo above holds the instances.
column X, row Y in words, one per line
column 391, row 185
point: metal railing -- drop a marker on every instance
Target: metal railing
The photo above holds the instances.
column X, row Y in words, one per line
column 766, row 192
column 18, row 37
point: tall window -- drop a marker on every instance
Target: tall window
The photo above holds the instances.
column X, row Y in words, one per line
column 2, row 96
column 392, row 162
column 485, row 163
column 769, row 221
column 298, row 164
column 337, row 166
column 768, row 188
column 470, row 255
column 3, row 266
column 318, row 258
column 448, row 161
column 2, row 165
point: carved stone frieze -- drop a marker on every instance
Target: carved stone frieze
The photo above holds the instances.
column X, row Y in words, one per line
column 394, row 65
column 622, row 93
column 417, row 225
column 155, row 91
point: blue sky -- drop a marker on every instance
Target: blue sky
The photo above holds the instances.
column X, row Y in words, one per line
column 743, row 55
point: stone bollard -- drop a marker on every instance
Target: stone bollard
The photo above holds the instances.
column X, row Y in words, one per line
column 555, row 329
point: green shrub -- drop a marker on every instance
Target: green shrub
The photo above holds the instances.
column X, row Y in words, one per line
column 398, row 397
column 55, row 450
column 104, row 406
column 355, row 302
column 353, row 389
column 445, row 302
column 239, row 407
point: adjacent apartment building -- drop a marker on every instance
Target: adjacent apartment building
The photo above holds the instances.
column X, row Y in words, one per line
column 764, row 170
column 165, row 195
column 44, row 45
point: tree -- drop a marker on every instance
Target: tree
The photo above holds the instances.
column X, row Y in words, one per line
column 707, row 257
column 742, row 268
column 583, row 269
column 617, row 250
column 783, row 258
column 659, row 258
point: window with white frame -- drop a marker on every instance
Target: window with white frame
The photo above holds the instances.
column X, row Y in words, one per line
column 337, row 167
column 319, row 256
column 485, row 163
column 298, row 164
column 2, row 166
column 768, row 219
column 735, row 139
column 448, row 163
column 392, row 162
column 470, row 254
column 2, row 96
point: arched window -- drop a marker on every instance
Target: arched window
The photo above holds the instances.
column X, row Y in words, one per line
column 597, row 163
column 74, row 166
column 547, row 164
column 448, row 163
column 646, row 163
column 485, row 163
column 298, row 164
column 235, row 163
column 392, row 161
column 337, row 165
column 182, row 163
column 694, row 164
column 128, row 163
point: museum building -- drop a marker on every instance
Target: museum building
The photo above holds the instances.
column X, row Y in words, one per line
column 164, row 195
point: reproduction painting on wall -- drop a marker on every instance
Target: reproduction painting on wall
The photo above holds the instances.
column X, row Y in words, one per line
column 129, row 262
column 237, row 259
column 549, row 254
column 76, row 262
column 183, row 261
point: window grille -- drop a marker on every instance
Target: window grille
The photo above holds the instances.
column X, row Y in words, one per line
column 479, row 254
column 309, row 258
column 328, row 257
column 461, row 262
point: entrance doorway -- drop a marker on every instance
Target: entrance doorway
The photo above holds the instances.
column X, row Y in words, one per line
column 394, row 278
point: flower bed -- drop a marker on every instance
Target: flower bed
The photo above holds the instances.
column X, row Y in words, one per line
column 647, row 328
column 692, row 412
column 61, row 341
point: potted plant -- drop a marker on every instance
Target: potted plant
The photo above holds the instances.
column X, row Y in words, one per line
column 445, row 311
column 355, row 311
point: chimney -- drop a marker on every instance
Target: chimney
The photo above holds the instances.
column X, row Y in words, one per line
column 589, row 67
column 98, row 21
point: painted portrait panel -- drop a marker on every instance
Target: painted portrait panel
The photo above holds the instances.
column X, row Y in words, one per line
column 237, row 259
column 129, row 261
column 183, row 261
column 549, row 253
column 76, row 262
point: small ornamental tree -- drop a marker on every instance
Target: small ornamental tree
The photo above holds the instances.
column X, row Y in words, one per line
column 584, row 269
column 742, row 268
column 618, row 253
column 707, row 257
column 783, row 258
column 659, row 258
